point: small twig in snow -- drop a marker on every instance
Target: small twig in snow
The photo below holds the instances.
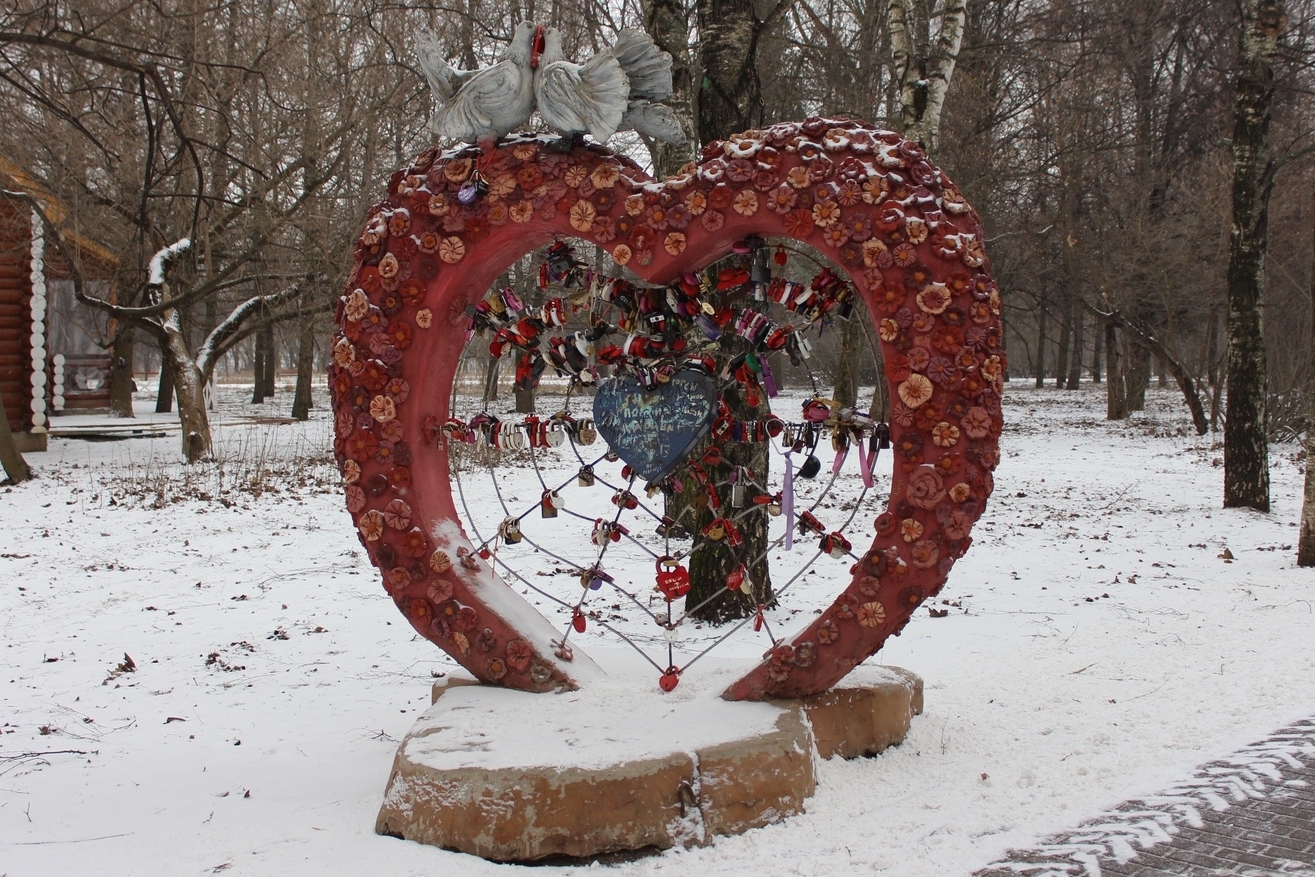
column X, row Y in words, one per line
column 80, row 840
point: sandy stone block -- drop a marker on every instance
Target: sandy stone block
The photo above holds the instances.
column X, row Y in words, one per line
column 853, row 722
column 517, row 815
column 749, row 783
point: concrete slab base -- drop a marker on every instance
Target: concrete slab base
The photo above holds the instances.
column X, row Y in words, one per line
column 515, row 777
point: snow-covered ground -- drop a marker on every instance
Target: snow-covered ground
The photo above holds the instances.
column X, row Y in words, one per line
column 1098, row 646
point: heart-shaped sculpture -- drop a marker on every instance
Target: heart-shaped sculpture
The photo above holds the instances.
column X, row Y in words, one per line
column 654, row 428
column 867, row 199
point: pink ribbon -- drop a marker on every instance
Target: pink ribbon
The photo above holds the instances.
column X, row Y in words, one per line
column 863, row 463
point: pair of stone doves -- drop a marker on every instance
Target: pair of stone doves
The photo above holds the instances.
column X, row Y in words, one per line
column 617, row 89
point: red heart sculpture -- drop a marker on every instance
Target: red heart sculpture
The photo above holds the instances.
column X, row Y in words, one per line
column 866, row 198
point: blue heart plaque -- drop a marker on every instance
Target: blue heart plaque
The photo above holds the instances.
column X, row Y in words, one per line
column 654, row 429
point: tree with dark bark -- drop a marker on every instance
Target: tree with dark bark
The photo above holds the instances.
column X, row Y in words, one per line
column 1306, row 540
column 1246, row 446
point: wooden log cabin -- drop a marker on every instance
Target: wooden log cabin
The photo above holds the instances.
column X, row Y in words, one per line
column 37, row 377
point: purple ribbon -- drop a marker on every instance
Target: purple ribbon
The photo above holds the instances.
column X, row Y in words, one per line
column 787, row 503
column 769, row 382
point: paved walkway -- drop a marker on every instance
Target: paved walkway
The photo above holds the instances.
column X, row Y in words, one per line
column 1249, row 815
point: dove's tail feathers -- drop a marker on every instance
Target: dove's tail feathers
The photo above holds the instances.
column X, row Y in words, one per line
column 605, row 93
column 654, row 120
column 443, row 80
column 647, row 66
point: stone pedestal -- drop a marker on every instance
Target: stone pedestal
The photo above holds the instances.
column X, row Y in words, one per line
column 512, row 776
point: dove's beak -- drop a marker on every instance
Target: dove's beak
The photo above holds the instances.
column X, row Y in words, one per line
column 536, row 47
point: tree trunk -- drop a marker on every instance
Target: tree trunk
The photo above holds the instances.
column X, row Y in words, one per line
column 164, row 393
column 730, row 99
column 1136, row 374
column 1041, row 345
column 846, row 374
column 712, row 561
column 880, row 408
column 667, row 23
column 1246, row 447
column 1205, row 365
column 121, row 382
column 258, row 368
column 923, row 65
column 301, row 399
column 270, row 372
column 1179, row 371
column 1097, row 347
column 1306, row 542
column 1065, row 338
column 1116, row 403
column 189, row 387
column 14, row 464
column 1075, row 359
column 524, row 401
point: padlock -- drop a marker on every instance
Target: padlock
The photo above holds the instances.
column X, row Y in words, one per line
column 669, row 679
column 625, row 499
column 578, row 620
column 593, row 578
column 737, row 577
column 808, row 521
column 836, row 545
column 810, row 467
column 733, row 537
column 551, row 502
column 716, row 530
column 585, row 431
column 510, row 530
column 472, row 188
column 672, row 578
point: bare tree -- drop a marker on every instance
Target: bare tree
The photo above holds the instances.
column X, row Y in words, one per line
column 225, row 154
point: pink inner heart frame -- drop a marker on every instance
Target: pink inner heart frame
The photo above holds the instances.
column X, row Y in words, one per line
column 865, row 198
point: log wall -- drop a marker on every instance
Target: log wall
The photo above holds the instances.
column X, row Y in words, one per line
column 16, row 312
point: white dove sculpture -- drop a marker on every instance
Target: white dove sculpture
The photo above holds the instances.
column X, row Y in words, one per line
column 577, row 98
column 481, row 106
column 649, row 70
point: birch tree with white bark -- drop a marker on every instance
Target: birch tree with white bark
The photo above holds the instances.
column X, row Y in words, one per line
column 925, row 37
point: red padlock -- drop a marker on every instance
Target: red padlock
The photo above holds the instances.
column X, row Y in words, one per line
column 836, row 545
column 670, row 679
column 808, row 521
column 672, row 578
column 737, row 577
column 578, row 620
column 733, row 537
